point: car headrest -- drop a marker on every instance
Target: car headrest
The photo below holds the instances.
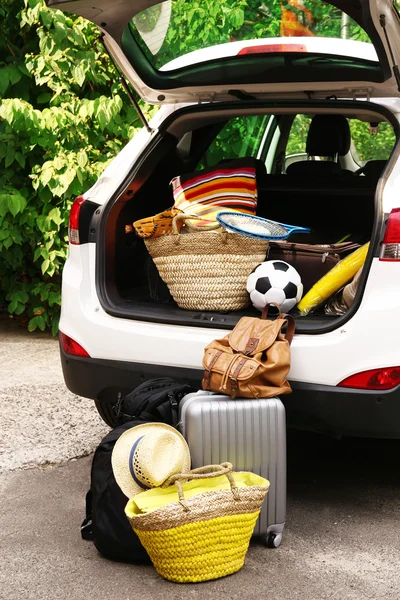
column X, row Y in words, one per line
column 328, row 135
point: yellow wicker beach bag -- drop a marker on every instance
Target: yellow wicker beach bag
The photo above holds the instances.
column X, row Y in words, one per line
column 200, row 528
column 206, row 267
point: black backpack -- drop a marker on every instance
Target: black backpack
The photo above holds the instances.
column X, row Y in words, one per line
column 155, row 400
column 106, row 523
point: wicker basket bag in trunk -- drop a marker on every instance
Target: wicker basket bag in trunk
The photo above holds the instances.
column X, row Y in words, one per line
column 206, row 267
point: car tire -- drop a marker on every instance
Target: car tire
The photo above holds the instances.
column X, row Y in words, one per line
column 105, row 410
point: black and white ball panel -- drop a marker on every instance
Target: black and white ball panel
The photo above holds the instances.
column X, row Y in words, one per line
column 263, row 284
column 279, row 265
column 275, row 281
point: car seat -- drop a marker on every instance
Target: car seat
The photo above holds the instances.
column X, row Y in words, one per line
column 372, row 169
column 329, row 136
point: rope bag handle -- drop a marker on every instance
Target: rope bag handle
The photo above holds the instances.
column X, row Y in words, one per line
column 206, row 472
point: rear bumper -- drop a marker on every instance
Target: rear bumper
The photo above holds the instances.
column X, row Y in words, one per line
column 329, row 409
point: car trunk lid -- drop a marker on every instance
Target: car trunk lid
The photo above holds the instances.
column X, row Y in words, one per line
column 179, row 51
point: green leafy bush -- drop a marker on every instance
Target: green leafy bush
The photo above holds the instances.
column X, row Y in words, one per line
column 63, row 117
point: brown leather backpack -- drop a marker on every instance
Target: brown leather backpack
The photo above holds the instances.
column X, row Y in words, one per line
column 253, row 360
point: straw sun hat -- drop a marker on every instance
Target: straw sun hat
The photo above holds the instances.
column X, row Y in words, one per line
column 146, row 455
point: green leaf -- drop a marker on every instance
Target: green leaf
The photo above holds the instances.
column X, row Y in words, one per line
column 13, row 305
column 14, row 74
column 32, row 325
column 46, row 18
column 61, row 32
column 46, row 175
column 20, row 309
column 54, row 326
column 83, row 111
column 10, row 156
column 45, row 266
column 82, row 159
column 44, row 98
column 59, row 163
column 55, row 216
column 22, row 296
column 55, row 298
column 79, row 75
column 41, row 323
column 16, row 203
column 20, row 158
column 4, row 80
column 43, row 224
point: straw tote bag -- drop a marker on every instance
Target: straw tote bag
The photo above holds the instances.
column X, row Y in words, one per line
column 206, row 267
column 200, row 528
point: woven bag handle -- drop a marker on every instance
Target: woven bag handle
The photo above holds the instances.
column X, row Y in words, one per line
column 186, row 217
column 206, row 472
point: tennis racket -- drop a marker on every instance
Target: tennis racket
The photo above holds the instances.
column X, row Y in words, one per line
column 257, row 227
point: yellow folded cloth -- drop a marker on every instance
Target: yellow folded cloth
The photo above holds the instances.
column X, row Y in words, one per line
column 157, row 225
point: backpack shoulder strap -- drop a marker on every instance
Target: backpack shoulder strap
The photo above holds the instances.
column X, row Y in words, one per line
column 87, row 523
column 291, row 326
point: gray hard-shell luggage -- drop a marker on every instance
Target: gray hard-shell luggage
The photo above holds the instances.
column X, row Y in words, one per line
column 250, row 434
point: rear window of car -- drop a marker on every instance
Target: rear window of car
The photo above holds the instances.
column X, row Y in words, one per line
column 173, row 28
column 239, row 137
column 370, row 141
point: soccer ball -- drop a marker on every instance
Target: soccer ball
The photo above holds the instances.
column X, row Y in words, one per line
column 275, row 281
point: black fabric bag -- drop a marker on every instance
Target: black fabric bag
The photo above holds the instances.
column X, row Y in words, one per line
column 106, row 523
column 155, row 400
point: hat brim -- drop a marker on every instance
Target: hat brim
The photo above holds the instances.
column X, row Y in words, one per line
column 121, row 451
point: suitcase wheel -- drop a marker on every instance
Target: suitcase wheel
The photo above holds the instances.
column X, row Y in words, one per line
column 273, row 540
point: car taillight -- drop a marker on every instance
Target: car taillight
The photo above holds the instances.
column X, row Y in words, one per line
column 391, row 242
column 73, row 224
column 376, row 379
column 70, row 346
column 267, row 48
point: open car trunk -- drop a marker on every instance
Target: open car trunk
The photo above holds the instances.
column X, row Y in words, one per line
column 128, row 282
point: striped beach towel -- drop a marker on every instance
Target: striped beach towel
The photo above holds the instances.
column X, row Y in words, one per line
column 230, row 186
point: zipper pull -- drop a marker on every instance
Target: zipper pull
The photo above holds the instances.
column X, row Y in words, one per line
column 324, row 256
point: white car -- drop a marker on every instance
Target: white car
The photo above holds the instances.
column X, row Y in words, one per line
column 247, row 97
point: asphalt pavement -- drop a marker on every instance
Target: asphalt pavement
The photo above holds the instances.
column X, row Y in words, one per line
column 341, row 539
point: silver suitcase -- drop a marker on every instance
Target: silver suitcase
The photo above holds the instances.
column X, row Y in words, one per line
column 250, row 434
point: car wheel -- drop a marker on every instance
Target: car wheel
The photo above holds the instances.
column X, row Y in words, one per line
column 105, row 410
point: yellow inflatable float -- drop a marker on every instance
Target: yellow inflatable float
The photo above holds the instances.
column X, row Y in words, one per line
column 330, row 283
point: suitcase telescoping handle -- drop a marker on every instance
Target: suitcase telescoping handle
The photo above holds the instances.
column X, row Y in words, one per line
column 291, row 325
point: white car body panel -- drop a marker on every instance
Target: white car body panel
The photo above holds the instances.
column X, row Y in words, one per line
column 321, row 359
